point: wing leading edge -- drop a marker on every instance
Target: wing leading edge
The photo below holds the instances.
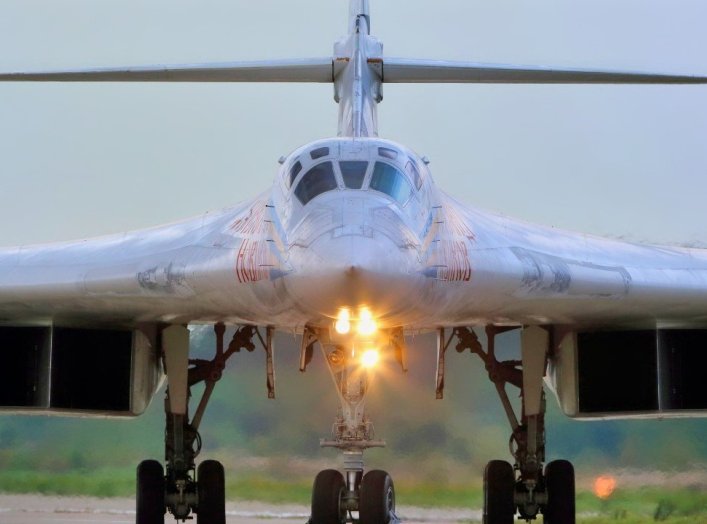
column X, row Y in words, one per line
column 522, row 273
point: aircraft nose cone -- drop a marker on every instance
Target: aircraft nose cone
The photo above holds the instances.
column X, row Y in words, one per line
column 351, row 271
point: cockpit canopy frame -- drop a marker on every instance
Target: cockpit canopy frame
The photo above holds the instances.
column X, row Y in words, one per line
column 352, row 165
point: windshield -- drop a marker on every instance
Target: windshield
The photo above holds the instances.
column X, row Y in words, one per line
column 353, row 172
column 389, row 180
column 316, row 181
column 414, row 173
column 294, row 171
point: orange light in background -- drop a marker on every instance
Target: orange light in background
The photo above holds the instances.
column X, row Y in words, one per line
column 604, row 486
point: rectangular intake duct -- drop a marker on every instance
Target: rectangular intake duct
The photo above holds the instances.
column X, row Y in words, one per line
column 107, row 372
column 631, row 373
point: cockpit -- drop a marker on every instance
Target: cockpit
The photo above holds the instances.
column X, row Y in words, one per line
column 346, row 165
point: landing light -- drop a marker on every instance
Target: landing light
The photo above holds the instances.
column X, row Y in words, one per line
column 369, row 358
column 343, row 322
column 366, row 324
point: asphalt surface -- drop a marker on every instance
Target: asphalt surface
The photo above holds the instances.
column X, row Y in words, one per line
column 31, row 509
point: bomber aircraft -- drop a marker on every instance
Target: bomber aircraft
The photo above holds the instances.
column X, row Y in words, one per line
column 354, row 248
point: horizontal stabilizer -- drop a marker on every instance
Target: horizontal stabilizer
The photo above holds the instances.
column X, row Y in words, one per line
column 301, row 70
column 403, row 70
column 321, row 70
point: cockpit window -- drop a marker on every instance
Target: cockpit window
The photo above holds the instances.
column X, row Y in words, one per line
column 319, row 152
column 414, row 173
column 388, row 153
column 316, row 181
column 353, row 172
column 387, row 179
column 294, row 171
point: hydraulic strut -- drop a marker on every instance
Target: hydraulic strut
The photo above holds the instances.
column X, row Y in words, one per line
column 182, row 439
column 527, row 440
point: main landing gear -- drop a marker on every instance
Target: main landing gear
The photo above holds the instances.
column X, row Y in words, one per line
column 183, row 488
column 524, row 487
column 366, row 497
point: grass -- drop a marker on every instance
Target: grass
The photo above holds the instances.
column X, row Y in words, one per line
column 641, row 520
column 269, row 490
column 658, row 503
column 436, row 496
column 635, row 506
column 103, row 483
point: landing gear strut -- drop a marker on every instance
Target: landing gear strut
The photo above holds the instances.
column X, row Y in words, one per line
column 522, row 487
column 336, row 497
column 183, row 488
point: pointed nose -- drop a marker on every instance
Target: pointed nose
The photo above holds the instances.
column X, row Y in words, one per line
column 354, row 270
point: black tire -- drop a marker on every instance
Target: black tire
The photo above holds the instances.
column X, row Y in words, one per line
column 150, row 508
column 559, row 483
column 327, row 491
column 499, row 488
column 211, row 486
column 377, row 499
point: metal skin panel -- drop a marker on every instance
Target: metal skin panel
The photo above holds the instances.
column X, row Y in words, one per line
column 147, row 373
column 561, row 378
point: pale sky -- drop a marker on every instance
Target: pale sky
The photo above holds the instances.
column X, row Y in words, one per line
column 84, row 159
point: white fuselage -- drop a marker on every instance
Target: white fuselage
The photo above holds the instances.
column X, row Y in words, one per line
column 350, row 223
column 354, row 222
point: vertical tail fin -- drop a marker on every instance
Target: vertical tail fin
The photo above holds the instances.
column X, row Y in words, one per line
column 359, row 8
column 357, row 81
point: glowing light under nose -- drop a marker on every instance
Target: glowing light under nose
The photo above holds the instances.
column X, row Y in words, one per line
column 366, row 324
column 343, row 324
column 369, row 358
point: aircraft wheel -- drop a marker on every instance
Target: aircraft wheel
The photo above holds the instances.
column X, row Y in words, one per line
column 559, row 482
column 329, row 486
column 211, row 487
column 499, row 488
column 150, row 507
column 377, row 499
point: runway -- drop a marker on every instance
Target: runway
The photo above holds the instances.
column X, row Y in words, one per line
column 33, row 509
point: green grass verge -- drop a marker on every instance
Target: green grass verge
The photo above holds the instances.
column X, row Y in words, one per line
column 637, row 506
column 641, row 520
column 269, row 490
column 97, row 483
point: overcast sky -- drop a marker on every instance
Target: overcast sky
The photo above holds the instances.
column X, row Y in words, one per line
column 85, row 159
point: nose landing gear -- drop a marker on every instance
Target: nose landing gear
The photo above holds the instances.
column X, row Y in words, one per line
column 356, row 495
